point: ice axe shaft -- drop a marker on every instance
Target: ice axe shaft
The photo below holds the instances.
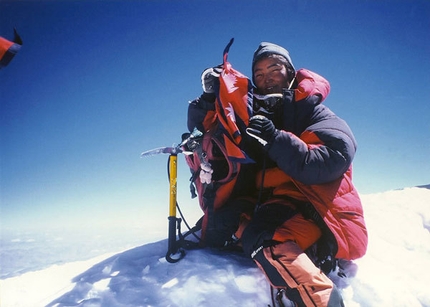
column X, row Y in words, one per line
column 173, row 167
column 174, row 252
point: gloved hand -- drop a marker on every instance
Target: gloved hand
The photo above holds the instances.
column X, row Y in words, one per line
column 262, row 129
column 210, row 77
column 206, row 172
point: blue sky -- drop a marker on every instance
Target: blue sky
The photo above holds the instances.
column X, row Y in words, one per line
column 97, row 82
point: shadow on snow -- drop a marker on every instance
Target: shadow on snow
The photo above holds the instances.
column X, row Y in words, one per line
column 142, row 277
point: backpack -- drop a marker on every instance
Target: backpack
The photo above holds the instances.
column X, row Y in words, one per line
column 212, row 197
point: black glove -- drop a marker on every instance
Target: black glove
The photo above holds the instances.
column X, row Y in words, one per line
column 262, row 129
column 210, row 78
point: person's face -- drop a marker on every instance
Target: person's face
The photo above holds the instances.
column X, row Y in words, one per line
column 270, row 76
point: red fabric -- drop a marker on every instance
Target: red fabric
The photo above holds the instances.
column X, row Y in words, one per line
column 339, row 205
column 337, row 202
column 298, row 229
column 310, row 83
column 4, row 46
column 233, row 108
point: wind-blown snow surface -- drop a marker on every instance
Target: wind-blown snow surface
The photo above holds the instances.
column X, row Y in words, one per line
column 394, row 272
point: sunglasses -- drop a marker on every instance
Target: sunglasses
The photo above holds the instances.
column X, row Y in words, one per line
column 266, row 102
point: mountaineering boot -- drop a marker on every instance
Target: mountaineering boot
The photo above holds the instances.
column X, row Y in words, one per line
column 288, row 268
column 280, row 298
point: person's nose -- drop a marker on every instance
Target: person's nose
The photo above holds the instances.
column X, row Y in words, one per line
column 268, row 78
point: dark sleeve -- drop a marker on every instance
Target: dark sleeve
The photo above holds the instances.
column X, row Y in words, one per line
column 197, row 110
column 326, row 157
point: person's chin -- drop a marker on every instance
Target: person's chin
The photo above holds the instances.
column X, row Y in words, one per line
column 273, row 90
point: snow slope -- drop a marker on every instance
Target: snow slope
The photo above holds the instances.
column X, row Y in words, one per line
column 394, row 272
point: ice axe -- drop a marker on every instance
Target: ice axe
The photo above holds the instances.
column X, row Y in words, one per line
column 175, row 252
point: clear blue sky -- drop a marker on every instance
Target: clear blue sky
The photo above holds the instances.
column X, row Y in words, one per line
column 97, row 82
